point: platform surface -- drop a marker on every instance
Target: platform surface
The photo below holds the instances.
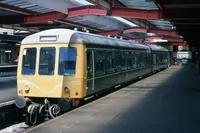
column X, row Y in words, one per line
column 8, row 89
column 167, row 102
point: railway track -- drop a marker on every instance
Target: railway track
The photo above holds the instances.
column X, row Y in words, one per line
column 9, row 114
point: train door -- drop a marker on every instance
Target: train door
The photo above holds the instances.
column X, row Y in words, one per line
column 90, row 71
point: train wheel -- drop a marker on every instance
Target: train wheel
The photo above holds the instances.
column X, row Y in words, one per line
column 42, row 113
column 32, row 115
column 54, row 110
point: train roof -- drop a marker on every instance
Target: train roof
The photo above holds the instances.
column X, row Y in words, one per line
column 71, row 36
column 157, row 48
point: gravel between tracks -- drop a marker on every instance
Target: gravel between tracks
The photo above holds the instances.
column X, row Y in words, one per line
column 17, row 128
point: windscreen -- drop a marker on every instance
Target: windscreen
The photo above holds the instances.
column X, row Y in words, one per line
column 67, row 61
column 28, row 61
column 47, row 60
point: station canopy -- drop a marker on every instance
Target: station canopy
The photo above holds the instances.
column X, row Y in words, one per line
column 139, row 20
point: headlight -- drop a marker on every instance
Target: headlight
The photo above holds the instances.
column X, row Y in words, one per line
column 27, row 88
column 66, row 89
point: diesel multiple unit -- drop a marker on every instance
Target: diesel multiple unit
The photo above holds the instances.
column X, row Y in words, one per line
column 58, row 67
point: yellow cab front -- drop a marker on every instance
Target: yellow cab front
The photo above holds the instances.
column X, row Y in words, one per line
column 50, row 70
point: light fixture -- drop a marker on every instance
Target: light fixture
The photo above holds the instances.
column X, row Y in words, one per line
column 27, row 88
column 66, row 89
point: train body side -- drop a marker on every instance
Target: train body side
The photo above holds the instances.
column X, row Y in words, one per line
column 110, row 67
column 159, row 58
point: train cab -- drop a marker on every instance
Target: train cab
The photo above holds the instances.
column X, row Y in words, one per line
column 50, row 67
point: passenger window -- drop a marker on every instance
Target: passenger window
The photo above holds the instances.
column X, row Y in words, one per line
column 154, row 59
column 110, row 62
column 29, row 61
column 99, row 63
column 133, row 60
column 145, row 60
column 67, row 61
column 137, row 60
column 129, row 60
column 118, row 61
column 124, row 60
column 47, row 61
column 158, row 58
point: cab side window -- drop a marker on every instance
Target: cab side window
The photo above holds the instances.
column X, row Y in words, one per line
column 89, row 64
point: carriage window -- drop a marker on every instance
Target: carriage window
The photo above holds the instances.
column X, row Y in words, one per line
column 118, row 60
column 110, row 62
column 47, row 61
column 154, row 59
column 99, row 63
column 29, row 61
column 67, row 61
column 134, row 65
column 129, row 61
column 124, row 60
column 137, row 60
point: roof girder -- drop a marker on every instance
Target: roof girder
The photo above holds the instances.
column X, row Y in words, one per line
column 136, row 13
column 164, row 32
column 85, row 10
column 139, row 30
column 43, row 17
column 124, row 31
column 179, row 44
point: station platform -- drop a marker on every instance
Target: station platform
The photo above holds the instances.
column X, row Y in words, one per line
column 8, row 91
column 166, row 102
column 8, row 70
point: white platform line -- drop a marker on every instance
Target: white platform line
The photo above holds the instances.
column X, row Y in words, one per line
column 7, row 103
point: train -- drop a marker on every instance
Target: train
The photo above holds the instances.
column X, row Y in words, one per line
column 59, row 67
